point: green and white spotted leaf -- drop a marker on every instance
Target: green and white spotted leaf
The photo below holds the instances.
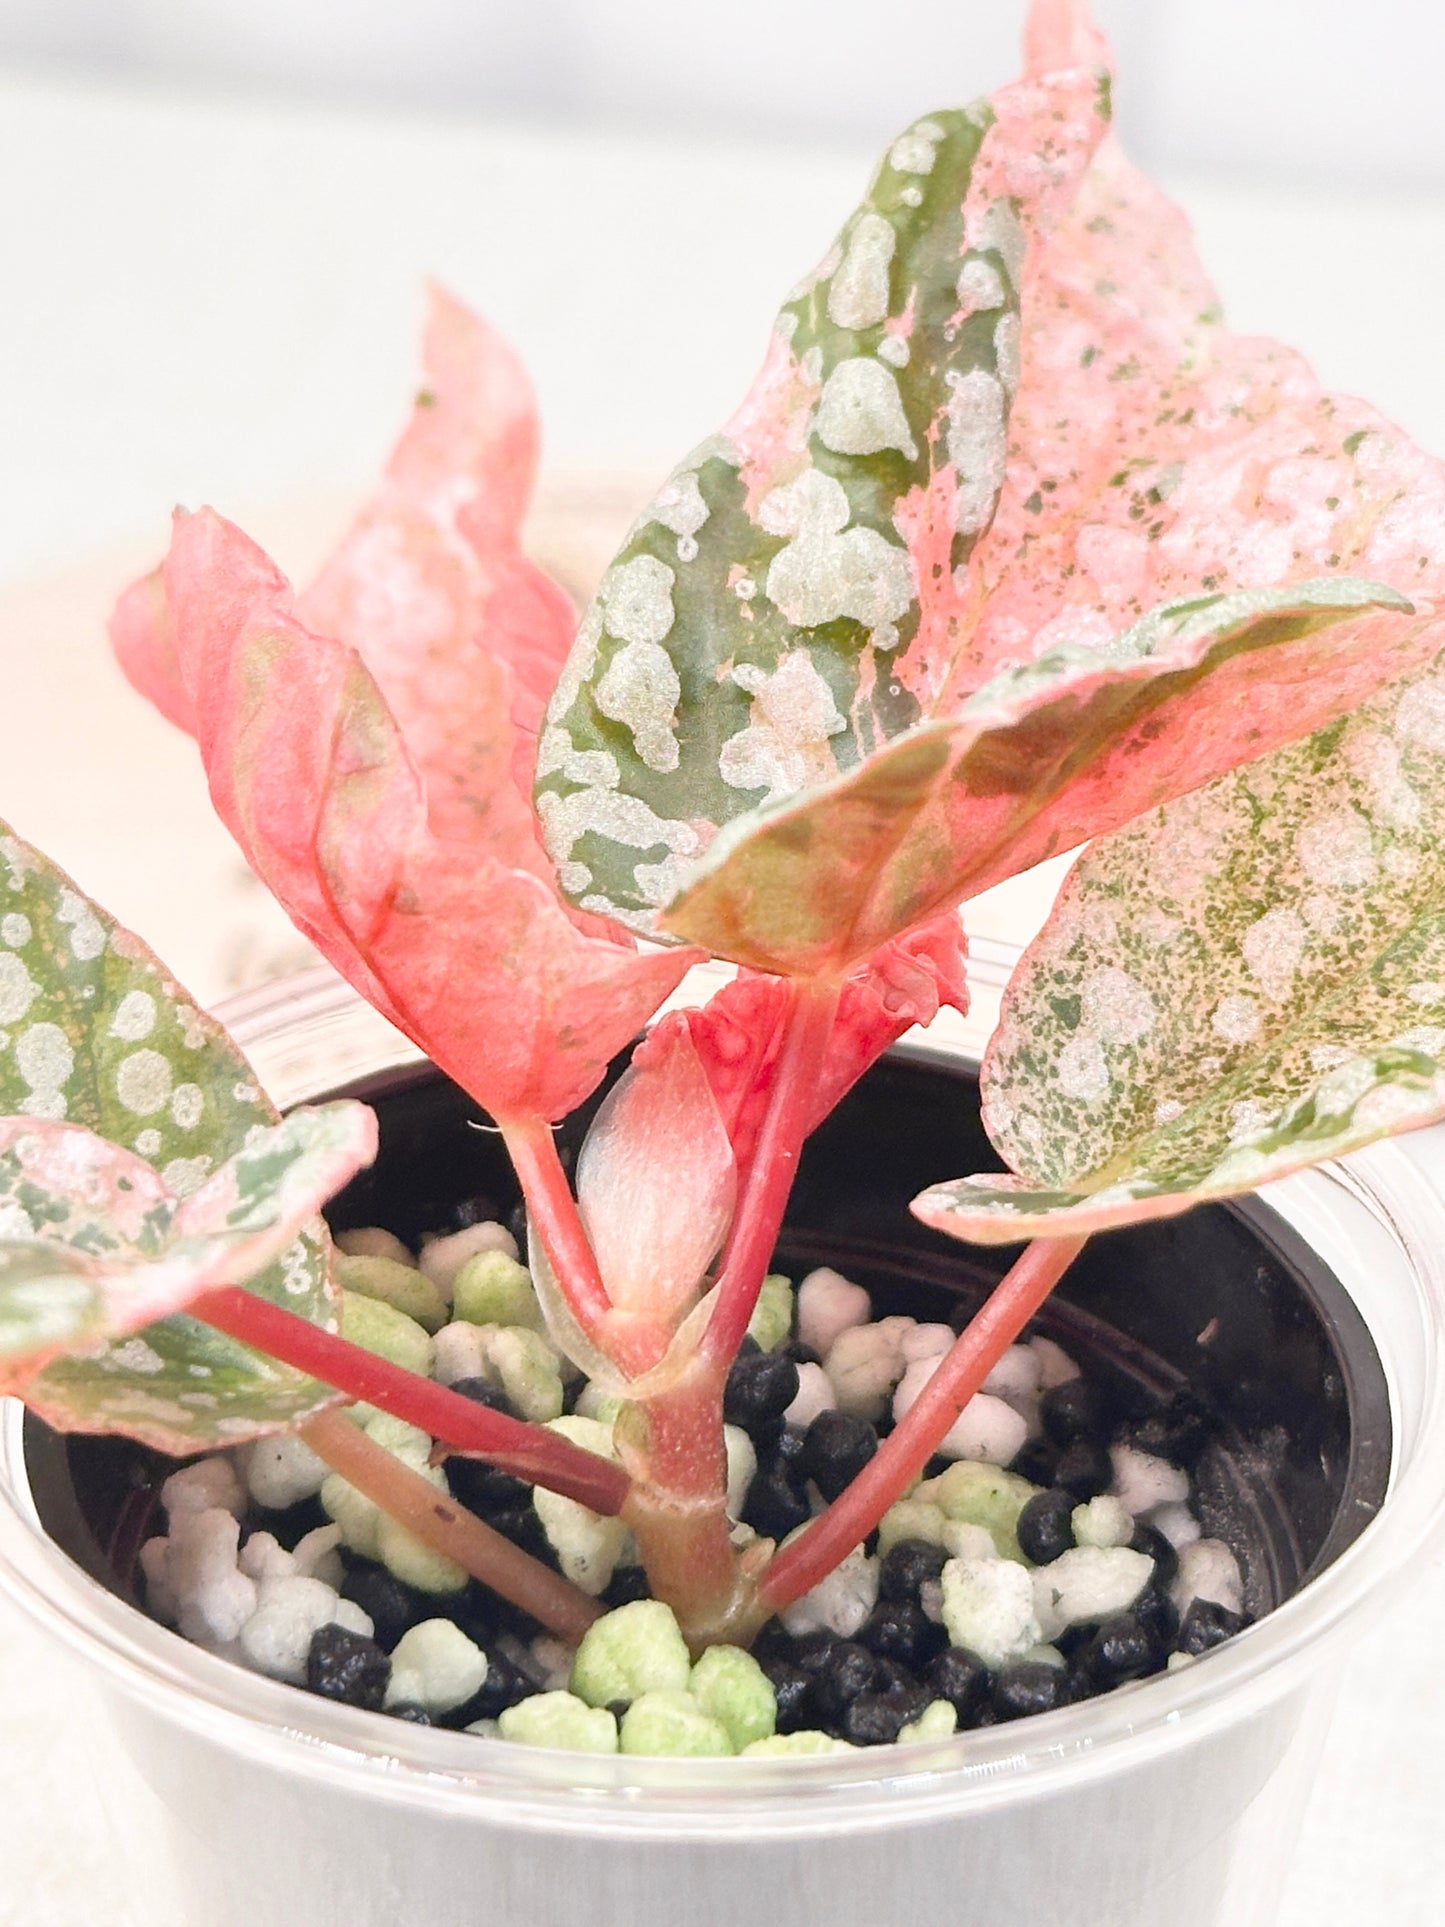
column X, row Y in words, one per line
column 1040, row 758
column 797, row 592
column 95, row 1031
column 94, row 1251
column 1247, row 981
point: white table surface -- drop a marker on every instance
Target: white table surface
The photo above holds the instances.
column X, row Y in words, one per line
column 209, row 301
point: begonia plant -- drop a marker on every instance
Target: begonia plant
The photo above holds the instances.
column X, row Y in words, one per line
column 1010, row 548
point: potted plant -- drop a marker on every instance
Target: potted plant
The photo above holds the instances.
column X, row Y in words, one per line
column 1010, row 547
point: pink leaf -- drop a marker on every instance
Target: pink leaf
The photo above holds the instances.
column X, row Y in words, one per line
column 145, row 646
column 431, row 586
column 461, row 943
column 1059, row 33
column 656, row 1181
column 1154, row 454
column 371, row 750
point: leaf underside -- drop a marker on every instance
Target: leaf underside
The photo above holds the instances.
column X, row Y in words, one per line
column 93, row 1030
column 1042, row 756
column 1244, row 983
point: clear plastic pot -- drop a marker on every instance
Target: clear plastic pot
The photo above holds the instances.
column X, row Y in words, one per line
column 1172, row 1801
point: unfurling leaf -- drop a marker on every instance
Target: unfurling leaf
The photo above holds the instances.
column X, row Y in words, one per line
column 1067, row 747
column 97, row 1033
column 1153, row 461
column 656, row 1182
column 94, row 1248
column 1246, row 982
column 796, row 594
column 377, row 774
column 738, row 1032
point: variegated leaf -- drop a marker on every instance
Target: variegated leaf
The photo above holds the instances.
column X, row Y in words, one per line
column 1152, row 457
column 94, row 1250
column 796, row 594
column 94, row 1030
column 1245, row 982
column 1042, row 757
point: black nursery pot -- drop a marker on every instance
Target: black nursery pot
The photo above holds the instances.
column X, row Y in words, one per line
column 1228, row 1301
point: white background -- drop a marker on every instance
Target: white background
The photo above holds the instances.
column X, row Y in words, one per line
column 1344, row 91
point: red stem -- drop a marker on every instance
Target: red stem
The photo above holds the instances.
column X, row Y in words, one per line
column 527, row 1451
column 774, row 1165
column 908, row 1448
column 448, row 1528
column 552, row 1214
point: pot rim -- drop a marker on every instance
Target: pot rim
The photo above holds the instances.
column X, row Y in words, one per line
column 1378, row 1196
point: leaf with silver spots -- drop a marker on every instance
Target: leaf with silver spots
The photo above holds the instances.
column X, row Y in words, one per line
column 1243, row 983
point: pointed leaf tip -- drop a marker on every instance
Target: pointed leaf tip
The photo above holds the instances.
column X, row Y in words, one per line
column 1061, row 33
column 656, row 1182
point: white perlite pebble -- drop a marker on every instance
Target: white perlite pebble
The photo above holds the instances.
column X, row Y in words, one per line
column 587, row 1544
column 864, row 1363
column 1086, row 1585
column 318, row 1555
column 828, row 1303
column 838, row 1604
column 264, row 1557
column 963, row 1540
column 1105, row 1521
column 927, row 1341
column 555, row 1656
column 435, row 1666
column 986, row 1428
column 372, row 1242
column 1208, row 1570
column 201, row 1487
column 1143, row 1482
column 282, row 1471
column 1177, row 1523
column 161, row 1597
column 212, row 1598
column 1055, row 1365
column 277, row 1636
column 443, row 1258
column 988, row 1607
column 815, row 1394
column 198, row 1561
column 459, row 1353
column 742, row 1465
column 1018, row 1374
